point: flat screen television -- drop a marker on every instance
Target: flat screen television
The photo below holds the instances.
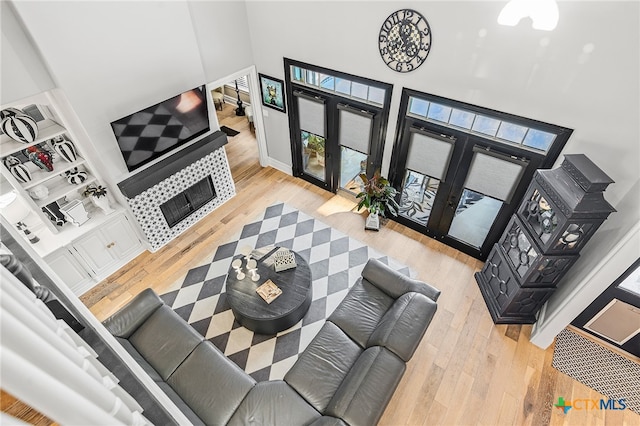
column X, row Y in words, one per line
column 148, row 134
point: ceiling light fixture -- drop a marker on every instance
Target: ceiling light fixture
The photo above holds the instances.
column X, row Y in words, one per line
column 543, row 13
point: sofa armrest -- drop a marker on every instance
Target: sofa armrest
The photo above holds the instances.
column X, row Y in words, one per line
column 394, row 283
column 403, row 326
column 127, row 320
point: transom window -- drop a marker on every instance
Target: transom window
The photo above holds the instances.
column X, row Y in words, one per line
column 483, row 124
column 338, row 85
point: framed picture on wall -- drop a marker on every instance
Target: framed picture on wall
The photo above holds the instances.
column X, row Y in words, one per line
column 272, row 91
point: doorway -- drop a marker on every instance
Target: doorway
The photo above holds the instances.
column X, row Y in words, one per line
column 461, row 170
column 228, row 96
column 337, row 123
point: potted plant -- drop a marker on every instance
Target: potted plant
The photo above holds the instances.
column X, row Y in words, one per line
column 378, row 196
column 98, row 196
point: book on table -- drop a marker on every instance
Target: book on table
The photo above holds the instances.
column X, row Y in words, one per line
column 269, row 291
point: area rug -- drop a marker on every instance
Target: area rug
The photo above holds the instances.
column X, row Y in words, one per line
column 229, row 131
column 611, row 374
column 335, row 259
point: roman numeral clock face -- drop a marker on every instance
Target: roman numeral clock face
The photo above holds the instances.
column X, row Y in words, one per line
column 404, row 40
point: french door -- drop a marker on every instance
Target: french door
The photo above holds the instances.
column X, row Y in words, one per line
column 337, row 124
column 457, row 184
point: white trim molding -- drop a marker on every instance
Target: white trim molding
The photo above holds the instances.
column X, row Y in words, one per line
column 254, row 95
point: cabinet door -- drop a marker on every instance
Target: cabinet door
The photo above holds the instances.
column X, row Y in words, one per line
column 95, row 251
column 69, row 270
column 121, row 237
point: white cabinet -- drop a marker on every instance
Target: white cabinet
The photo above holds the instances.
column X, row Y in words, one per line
column 72, row 273
column 105, row 248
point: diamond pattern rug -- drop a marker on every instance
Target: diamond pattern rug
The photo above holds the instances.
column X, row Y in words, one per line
column 335, row 259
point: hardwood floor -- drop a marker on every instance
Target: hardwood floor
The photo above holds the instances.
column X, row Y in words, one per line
column 467, row 371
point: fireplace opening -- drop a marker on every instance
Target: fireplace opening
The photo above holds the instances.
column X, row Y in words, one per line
column 185, row 203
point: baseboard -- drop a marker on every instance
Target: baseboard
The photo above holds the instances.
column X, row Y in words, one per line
column 284, row 168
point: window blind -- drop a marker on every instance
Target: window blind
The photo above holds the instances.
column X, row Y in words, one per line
column 494, row 174
column 311, row 114
column 243, row 84
column 429, row 153
column 355, row 129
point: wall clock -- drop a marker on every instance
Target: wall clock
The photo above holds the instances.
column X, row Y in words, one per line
column 404, row 40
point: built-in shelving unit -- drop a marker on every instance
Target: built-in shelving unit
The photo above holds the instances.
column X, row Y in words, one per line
column 82, row 254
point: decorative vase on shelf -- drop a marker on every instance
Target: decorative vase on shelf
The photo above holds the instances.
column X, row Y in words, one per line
column 65, row 148
column 10, row 112
column 98, row 196
column 75, row 176
column 17, row 169
column 19, row 127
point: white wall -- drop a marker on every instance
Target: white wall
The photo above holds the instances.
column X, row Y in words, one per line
column 222, row 32
column 541, row 75
column 115, row 58
column 22, row 72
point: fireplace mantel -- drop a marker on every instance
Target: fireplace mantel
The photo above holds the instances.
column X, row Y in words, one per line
column 145, row 179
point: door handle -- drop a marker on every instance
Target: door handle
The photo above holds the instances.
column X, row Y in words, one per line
column 452, row 201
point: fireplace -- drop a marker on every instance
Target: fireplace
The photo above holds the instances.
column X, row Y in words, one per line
column 172, row 195
column 185, row 203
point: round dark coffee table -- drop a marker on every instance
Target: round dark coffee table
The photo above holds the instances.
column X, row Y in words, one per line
column 252, row 312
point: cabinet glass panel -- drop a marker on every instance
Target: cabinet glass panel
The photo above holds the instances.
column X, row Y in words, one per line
column 519, row 250
column 313, row 155
column 573, row 235
column 352, row 163
column 416, row 199
column 474, row 217
column 541, row 216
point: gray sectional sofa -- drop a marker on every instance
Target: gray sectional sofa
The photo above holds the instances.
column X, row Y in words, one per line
column 346, row 375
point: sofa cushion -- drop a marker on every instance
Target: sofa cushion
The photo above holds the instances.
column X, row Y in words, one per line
column 394, row 283
column 211, row 384
column 361, row 310
column 273, row 403
column 367, row 389
column 139, row 359
column 323, row 365
column 401, row 329
column 124, row 322
column 165, row 340
column 188, row 412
